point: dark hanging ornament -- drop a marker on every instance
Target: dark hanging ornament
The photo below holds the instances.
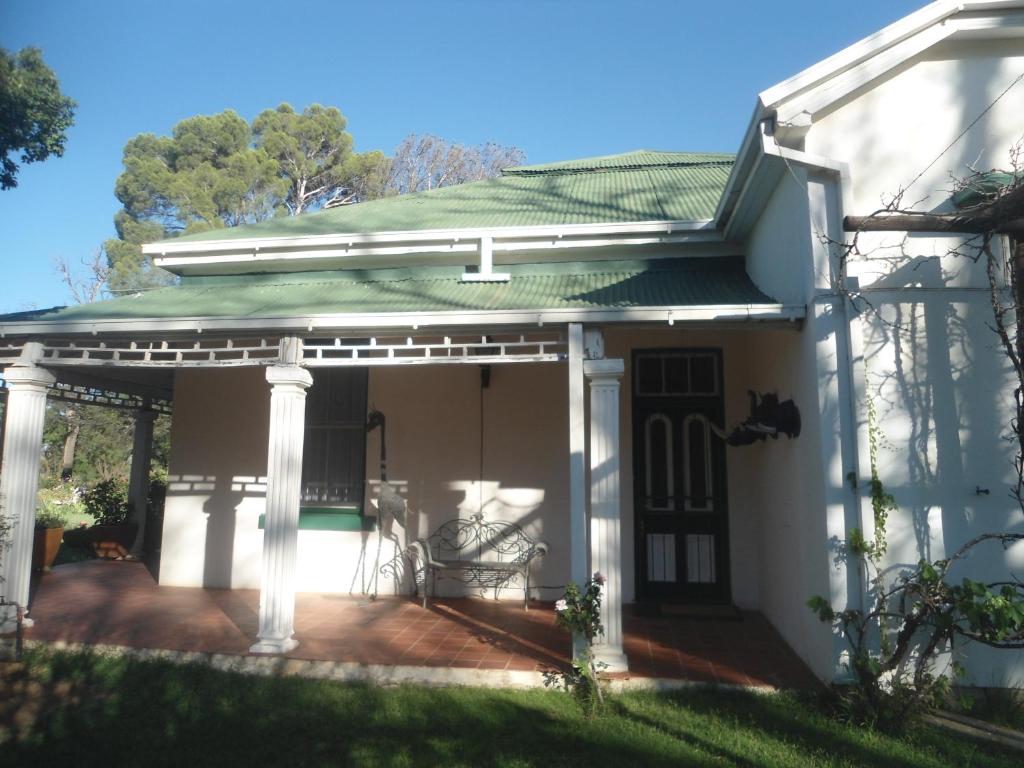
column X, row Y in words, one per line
column 768, row 418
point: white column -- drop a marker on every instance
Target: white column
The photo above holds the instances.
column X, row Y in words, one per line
column 138, row 485
column 605, row 502
column 19, row 480
column 578, row 569
column 284, row 477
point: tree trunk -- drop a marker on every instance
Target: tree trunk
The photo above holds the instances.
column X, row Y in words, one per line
column 67, row 464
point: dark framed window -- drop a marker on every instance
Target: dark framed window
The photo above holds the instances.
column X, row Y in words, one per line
column 334, row 452
column 676, row 374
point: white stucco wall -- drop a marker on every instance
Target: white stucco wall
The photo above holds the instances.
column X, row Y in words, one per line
column 940, row 386
column 216, row 488
column 211, row 533
column 778, row 249
column 218, row 466
column 892, row 130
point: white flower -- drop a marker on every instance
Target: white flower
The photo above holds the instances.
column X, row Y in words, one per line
column 561, row 605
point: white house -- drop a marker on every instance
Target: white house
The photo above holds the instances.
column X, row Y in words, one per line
column 565, row 347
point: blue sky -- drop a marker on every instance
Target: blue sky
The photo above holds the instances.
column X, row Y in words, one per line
column 558, row 78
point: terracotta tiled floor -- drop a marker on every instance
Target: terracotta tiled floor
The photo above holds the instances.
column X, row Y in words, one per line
column 118, row 603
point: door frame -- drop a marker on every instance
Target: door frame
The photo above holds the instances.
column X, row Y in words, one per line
column 643, row 594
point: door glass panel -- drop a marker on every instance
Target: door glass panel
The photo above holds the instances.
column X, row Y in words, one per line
column 698, row 464
column 649, row 375
column 703, row 380
column 658, row 446
column 677, row 375
column 700, row 558
column 661, row 557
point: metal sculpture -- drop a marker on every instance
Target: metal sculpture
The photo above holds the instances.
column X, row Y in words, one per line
column 391, row 507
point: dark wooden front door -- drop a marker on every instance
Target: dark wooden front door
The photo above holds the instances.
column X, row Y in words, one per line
column 679, row 476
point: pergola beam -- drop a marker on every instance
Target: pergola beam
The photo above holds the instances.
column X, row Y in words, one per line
column 1003, row 216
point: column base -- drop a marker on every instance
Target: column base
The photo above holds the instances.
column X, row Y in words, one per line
column 9, row 620
column 613, row 657
column 275, row 646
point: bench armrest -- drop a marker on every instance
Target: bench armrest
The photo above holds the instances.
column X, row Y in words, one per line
column 419, row 551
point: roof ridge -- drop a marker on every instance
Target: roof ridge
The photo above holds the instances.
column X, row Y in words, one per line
column 567, row 171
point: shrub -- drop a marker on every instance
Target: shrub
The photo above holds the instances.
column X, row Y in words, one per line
column 107, row 501
column 579, row 611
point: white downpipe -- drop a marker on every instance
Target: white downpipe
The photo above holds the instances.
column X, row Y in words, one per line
column 849, row 348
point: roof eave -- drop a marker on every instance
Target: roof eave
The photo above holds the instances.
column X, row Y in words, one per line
column 785, row 112
column 281, row 252
column 798, row 101
column 670, row 315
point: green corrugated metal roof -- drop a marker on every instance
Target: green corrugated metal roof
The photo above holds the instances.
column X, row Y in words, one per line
column 640, row 158
column 636, row 186
column 607, row 284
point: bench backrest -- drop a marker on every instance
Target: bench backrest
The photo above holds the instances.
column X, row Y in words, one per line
column 477, row 540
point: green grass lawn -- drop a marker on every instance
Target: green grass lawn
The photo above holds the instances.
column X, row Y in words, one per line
column 999, row 706
column 67, row 709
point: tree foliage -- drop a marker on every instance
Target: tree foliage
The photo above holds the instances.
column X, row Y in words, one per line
column 428, row 162
column 314, row 156
column 34, row 114
column 217, row 171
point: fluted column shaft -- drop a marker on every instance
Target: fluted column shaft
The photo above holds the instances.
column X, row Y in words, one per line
column 280, row 536
column 19, row 480
column 605, row 504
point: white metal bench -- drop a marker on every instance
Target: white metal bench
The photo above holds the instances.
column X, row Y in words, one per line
column 474, row 551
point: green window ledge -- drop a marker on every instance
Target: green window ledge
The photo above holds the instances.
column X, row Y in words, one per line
column 331, row 519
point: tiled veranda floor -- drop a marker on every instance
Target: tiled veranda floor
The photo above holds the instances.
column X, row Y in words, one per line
column 118, row 603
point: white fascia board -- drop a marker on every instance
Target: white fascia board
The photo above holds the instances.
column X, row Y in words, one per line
column 414, row 320
column 798, row 100
column 869, row 46
column 424, row 239
column 180, row 264
column 802, row 110
column 751, row 194
column 746, row 160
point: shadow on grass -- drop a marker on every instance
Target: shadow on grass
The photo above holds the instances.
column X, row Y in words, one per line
column 794, row 729
column 82, row 710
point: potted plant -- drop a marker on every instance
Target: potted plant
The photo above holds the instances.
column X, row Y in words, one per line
column 50, row 520
column 112, row 535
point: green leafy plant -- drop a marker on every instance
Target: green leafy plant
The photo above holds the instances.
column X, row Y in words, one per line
column 107, row 501
column 55, row 504
column 896, row 643
column 51, row 518
column 579, row 611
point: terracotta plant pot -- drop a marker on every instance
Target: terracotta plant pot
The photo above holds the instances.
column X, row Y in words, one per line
column 45, row 547
column 112, row 542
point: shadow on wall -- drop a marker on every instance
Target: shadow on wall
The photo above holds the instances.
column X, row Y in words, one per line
column 224, row 495
column 937, row 378
column 463, row 499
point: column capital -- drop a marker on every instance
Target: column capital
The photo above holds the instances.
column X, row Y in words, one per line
column 289, row 376
column 604, row 370
column 28, row 377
